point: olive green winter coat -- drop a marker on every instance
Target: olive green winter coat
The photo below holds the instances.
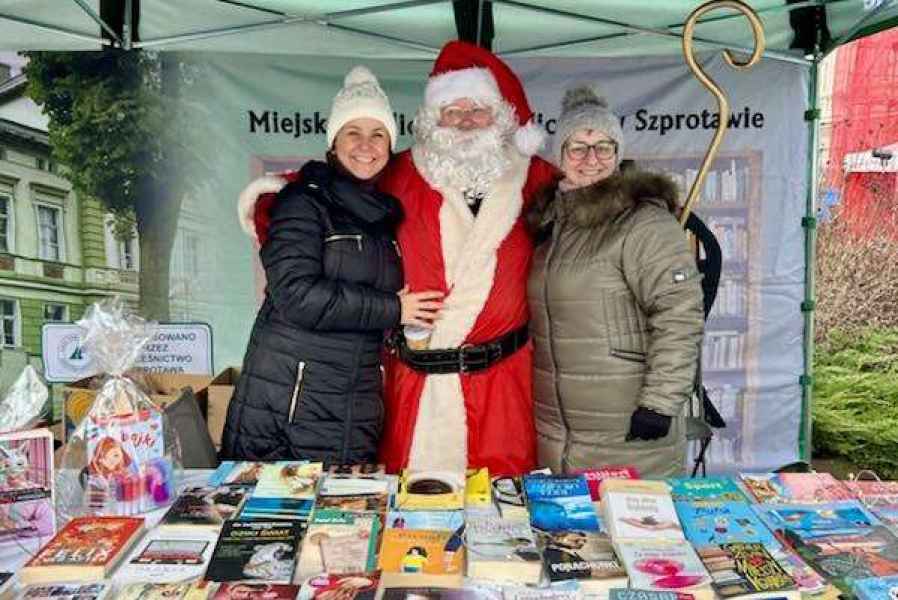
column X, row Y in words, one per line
column 616, row 321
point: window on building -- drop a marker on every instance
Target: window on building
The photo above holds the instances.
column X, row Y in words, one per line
column 126, row 255
column 9, row 323
column 49, row 232
column 56, row 313
column 5, row 222
column 41, row 164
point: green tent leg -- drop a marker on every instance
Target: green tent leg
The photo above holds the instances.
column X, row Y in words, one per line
column 809, row 223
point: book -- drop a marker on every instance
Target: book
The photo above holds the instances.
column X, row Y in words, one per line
column 338, row 543
column 418, row 586
column 255, row 591
column 166, row 591
column 349, row 586
column 430, row 490
column 285, row 490
column 85, row 550
column 478, row 488
column 415, row 551
column 27, row 508
column 744, row 569
column 586, row 556
column 288, row 479
column 164, row 556
column 255, row 550
column 66, row 591
column 808, row 581
column 843, row 558
column 866, row 489
column 814, row 520
column 358, row 470
column 568, row 590
column 595, row 477
column 795, row 488
column 207, row 507
column 446, row 520
column 560, row 503
column 664, row 566
column 120, row 444
column 706, row 489
column 501, row 550
column 628, row 594
column 236, row 473
column 354, row 493
column 876, row 588
column 640, row 509
column 707, row 523
column 508, row 497
column 470, row 590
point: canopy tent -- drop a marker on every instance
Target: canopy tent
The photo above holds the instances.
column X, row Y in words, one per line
column 414, row 30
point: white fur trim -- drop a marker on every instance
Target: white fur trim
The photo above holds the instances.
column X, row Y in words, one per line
column 469, row 248
column 246, row 201
column 529, row 138
column 474, row 83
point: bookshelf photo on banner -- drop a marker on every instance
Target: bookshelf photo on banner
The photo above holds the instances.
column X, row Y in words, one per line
column 729, row 204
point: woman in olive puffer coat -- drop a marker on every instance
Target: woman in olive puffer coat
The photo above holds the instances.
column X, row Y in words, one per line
column 616, row 306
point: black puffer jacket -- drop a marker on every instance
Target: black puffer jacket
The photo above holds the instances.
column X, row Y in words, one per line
column 312, row 383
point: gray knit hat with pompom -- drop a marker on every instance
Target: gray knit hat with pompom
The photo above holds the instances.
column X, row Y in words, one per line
column 584, row 107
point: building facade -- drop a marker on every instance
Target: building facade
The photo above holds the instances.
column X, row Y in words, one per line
column 57, row 251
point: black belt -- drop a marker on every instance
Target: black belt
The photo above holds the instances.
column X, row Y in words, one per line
column 465, row 359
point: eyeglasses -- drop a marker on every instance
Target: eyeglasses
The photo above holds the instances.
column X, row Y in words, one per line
column 453, row 115
column 603, row 149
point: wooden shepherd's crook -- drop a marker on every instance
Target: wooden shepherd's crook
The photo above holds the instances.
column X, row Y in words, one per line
column 723, row 104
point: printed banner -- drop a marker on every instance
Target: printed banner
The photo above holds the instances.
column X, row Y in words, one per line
column 268, row 114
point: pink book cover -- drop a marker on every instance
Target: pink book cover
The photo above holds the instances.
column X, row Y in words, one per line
column 878, row 490
column 26, row 486
column 595, row 477
column 796, row 488
column 815, row 487
column 256, row 591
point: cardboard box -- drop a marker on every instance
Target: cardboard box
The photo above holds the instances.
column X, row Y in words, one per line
column 78, row 397
column 216, row 397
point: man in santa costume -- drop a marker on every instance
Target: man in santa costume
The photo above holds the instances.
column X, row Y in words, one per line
column 466, row 400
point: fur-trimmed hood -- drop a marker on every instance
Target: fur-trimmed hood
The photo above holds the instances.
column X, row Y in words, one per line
column 603, row 201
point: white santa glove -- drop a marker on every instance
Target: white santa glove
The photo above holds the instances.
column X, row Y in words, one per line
column 246, row 201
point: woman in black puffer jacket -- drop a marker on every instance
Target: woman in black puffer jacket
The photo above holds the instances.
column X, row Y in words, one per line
column 311, row 386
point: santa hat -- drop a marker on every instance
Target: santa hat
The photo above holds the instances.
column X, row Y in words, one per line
column 463, row 70
column 360, row 97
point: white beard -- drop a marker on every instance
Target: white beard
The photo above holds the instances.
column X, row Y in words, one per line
column 469, row 161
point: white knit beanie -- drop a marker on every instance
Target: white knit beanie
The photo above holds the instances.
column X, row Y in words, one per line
column 584, row 107
column 361, row 96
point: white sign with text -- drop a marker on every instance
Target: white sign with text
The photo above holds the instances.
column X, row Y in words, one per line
column 183, row 348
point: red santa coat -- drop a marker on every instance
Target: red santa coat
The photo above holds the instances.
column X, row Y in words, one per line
column 482, row 265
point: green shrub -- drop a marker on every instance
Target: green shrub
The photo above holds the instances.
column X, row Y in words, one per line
column 855, row 411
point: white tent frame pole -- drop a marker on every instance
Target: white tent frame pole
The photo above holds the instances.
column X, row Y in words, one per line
column 53, row 29
column 286, row 20
column 99, row 20
column 639, row 29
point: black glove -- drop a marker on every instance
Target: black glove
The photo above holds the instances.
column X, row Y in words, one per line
column 646, row 424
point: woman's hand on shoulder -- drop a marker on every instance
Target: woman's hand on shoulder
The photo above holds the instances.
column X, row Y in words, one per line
column 420, row 308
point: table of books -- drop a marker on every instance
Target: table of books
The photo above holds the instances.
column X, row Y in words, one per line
column 293, row 529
